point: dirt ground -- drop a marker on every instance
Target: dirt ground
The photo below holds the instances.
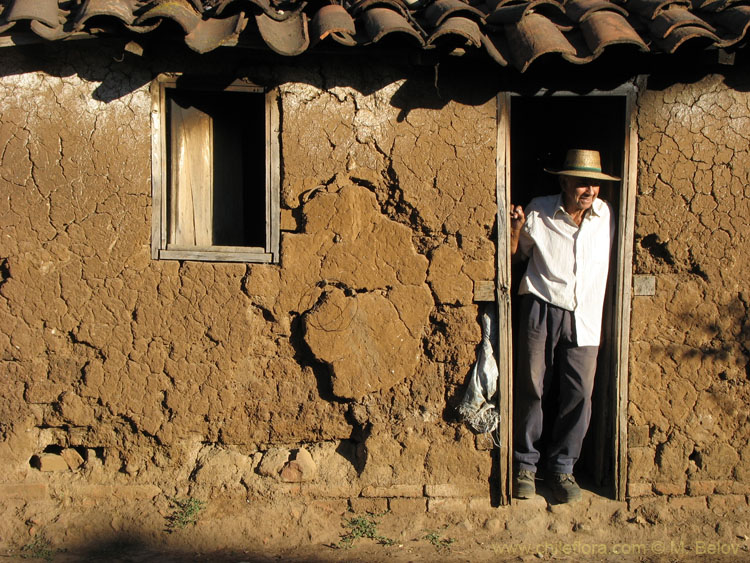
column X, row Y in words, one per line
column 657, row 529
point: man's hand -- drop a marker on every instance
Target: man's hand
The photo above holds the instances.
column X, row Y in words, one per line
column 517, row 220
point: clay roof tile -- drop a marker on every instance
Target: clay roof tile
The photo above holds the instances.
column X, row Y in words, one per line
column 216, row 32
column 534, row 36
column 516, row 31
column 681, row 35
column 380, row 22
column 732, row 25
column 605, row 28
column 669, row 20
column 580, row 10
column 333, row 21
column 180, row 11
column 123, row 10
column 457, row 29
column 44, row 11
column 510, row 13
column 288, row 37
column 441, row 9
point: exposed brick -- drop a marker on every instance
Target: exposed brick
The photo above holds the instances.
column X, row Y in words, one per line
column 121, row 492
column 443, row 505
column 700, row 488
column 481, row 504
column 726, row 503
column 371, row 505
column 669, row 488
column 407, row 505
column 344, row 491
column 687, row 503
column 447, row 490
column 329, row 506
column 647, row 503
column 25, row 491
column 732, row 488
column 639, row 489
column 394, row 491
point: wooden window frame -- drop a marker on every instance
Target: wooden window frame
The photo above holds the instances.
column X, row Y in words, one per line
column 622, row 286
column 160, row 249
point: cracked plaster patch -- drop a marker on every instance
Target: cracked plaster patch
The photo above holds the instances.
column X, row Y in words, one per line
column 361, row 284
column 363, row 340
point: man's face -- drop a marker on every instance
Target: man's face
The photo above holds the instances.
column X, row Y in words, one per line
column 578, row 193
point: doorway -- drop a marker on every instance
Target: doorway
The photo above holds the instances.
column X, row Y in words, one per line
column 538, row 131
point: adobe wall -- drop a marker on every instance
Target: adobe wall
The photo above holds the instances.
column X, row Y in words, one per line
column 165, row 378
column 688, row 430
column 133, row 379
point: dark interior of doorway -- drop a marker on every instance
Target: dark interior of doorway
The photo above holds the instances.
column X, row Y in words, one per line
column 542, row 129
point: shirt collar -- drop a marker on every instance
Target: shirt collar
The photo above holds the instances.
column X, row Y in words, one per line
column 593, row 210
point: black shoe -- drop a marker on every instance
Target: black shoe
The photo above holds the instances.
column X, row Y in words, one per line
column 564, row 487
column 523, row 484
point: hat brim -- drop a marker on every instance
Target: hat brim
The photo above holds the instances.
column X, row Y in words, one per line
column 583, row 174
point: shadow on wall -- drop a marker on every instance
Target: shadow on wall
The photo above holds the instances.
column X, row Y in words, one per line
column 467, row 80
column 726, row 334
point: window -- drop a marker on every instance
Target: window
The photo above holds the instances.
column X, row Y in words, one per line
column 215, row 172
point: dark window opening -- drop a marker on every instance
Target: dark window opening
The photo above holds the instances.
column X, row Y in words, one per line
column 233, row 175
column 215, row 171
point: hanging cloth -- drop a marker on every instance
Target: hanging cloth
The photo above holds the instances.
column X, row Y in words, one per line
column 479, row 405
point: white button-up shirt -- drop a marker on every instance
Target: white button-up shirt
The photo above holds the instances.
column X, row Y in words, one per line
column 568, row 264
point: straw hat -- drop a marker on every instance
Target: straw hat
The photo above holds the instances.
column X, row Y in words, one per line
column 584, row 164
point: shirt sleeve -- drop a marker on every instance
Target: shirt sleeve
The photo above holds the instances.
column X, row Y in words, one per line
column 525, row 239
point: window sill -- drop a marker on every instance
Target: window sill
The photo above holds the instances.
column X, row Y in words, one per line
column 240, row 254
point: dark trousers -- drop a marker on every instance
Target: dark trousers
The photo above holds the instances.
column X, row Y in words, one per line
column 547, row 335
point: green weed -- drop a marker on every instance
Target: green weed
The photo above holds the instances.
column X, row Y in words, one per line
column 185, row 511
column 440, row 543
column 362, row 527
column 38, row 548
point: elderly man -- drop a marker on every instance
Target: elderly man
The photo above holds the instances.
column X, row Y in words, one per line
column 567, row 239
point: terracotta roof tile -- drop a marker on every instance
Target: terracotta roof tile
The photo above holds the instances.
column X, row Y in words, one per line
column 512, row 13
column 533, row 36
column 380, row 22
column 43, row 11
column 181, row 11
column 496, row 48
column 580, row 10
column 123, row 10
column 436, row 12
column 216, row 32
column 286, row 37
column 604, row 28
column 649, row 9
column 335, row 22
column 732, row 24
column 513, row 32
column 458, row 30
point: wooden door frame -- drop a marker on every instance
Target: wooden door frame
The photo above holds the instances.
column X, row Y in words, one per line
column 623, row 271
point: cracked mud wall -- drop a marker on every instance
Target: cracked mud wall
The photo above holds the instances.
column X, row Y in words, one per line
column 349, row 355
column 690, row 342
